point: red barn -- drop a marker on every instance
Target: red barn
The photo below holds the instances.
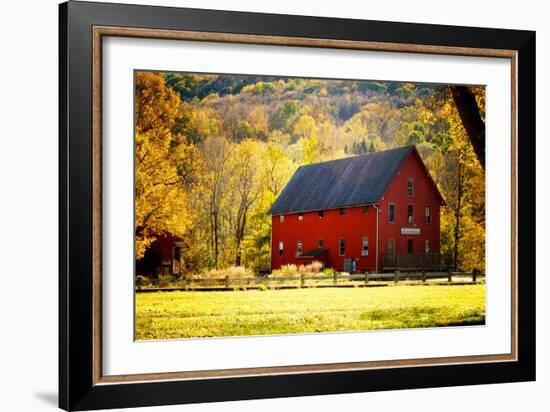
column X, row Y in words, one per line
column 378, row 211
column 161, row 258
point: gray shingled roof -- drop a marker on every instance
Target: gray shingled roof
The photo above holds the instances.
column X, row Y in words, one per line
column 356, row 180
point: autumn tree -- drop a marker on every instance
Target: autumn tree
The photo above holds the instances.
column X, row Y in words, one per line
column 244, row 170
column 462, row 177
column 164, row 163
column 274, row 171
column 216, row 151
column 307, row 135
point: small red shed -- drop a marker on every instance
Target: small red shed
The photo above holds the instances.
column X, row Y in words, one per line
column 378, row 211
column 161, row 258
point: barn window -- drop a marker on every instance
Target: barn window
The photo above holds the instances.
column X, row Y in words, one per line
column 280, row 248
column 342, row 212
column 299, row 246
column 428, row 213
column 321, row 214
column 428, row 246
column 391, row 246
column 410, row 187
column 365, row 247
column 391, row 213
column 342, row 247
column 410, row 215
column 320, row 243
column 300, row 216
column 282, row 218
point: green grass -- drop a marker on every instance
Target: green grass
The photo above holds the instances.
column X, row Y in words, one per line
column 171, row 315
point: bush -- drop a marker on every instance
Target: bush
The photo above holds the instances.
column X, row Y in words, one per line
column 315, row 267
column 166, row 280
column 231, row 272
column 142, row 281
column 329, row 272
column 293, row 270
column 311, row 269
column 285, row 271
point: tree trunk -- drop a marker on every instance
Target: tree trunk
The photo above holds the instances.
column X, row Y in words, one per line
column 458, row 216
column 470, row 116
column 216, row 240
column 240, row 236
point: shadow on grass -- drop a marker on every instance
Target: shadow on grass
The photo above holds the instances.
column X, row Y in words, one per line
column 421, row 317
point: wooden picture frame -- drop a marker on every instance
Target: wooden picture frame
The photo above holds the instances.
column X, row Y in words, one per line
column 82, row 385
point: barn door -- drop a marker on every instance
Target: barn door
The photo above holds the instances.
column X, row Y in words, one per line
column 347, row 265
column 409, row 246
column 176, row 259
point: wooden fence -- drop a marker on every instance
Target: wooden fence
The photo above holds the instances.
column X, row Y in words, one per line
column 413, row 261
column 306, row 281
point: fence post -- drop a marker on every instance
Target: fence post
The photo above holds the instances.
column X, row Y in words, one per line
column 396, row 276
column 335, row 277
column 423, row 276
column 302, row 280
column 450, row 276
column 227, row 281
column 366, row 277
column 474, row 276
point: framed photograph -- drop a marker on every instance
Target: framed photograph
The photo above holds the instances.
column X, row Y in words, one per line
column 257, row 206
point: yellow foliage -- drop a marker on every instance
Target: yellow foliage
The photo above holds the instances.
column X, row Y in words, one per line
column 162, row 163
column 207, row 170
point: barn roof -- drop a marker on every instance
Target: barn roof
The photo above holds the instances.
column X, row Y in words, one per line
column 352, row 181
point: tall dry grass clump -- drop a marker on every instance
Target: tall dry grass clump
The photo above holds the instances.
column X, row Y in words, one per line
column 315, row 267
column 231, row 272
column 287, row 271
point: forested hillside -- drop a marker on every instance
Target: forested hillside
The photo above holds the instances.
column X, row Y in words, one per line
column 214, row 151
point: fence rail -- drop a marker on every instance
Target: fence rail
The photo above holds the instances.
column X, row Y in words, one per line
column 304, row 281
column 412, row 261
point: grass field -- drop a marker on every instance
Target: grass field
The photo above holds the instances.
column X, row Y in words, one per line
column 171, row 315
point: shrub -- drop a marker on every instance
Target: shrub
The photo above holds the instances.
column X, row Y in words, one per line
column 312, row 268
column 142, row 281
column 329, row 272
column 166, row 280
column 231, row 272
column 285, row 271
column 315, row 267
column 293, row 270
column 262, row 287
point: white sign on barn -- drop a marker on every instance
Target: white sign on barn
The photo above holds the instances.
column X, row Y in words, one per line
column 410, row 230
